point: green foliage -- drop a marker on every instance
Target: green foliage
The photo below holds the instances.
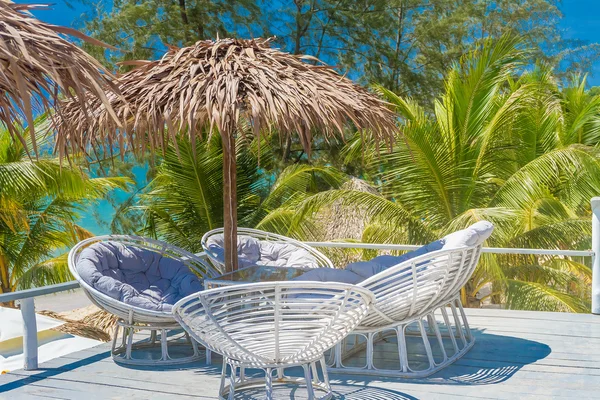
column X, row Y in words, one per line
column 40, row 202
column 141, row 29
column 491, row 128
column 513, row 149
column 185, row 199
column 405, row 45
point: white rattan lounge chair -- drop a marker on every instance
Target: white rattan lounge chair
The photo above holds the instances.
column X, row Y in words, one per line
column 257, row 247
column 417, row 302
column 273, row 326
column 138, row 280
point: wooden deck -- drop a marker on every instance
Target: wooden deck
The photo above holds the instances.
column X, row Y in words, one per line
column 518, row 354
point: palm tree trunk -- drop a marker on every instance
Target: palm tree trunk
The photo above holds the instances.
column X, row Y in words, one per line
column 5, row 286
column 463, row 297
column 287, row 148
column 4, row 276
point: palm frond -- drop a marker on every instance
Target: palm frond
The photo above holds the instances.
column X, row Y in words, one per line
column 39, row 67
column 269, row 90
column 522, row 295
column 47, row 272
column 557, row 170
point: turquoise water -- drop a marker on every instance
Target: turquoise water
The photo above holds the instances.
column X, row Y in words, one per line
column 88, row 220
column 104, row 209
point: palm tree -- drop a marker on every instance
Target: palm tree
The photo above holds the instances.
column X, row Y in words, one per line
column 39, row 205
column 185, row 198
column 503, row 144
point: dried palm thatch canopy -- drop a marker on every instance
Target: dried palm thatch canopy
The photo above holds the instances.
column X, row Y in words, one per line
column 214, row 84
column 37, row 66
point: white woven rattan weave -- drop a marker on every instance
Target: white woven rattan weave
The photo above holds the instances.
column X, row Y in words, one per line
column 273, row 326
column 322, row 260
column 133, row 319
column 417, row 299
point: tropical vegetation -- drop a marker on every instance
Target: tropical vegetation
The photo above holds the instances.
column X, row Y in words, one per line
column 504, row 144
column 496, row 121
column 184, row 200
column 40, row 204
column 405, row 45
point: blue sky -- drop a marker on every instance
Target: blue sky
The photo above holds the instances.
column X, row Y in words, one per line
column 581, row 20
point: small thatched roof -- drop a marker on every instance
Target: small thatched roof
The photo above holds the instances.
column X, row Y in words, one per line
column 214, row 84
column 346, row 222
column 37, row 66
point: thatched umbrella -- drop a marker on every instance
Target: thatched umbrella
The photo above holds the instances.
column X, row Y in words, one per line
column 213, row 85
column 38, row 67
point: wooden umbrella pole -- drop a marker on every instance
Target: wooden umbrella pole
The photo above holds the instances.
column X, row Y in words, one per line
column 229, row 201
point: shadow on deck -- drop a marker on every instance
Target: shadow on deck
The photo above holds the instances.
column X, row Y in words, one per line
column 494, row 359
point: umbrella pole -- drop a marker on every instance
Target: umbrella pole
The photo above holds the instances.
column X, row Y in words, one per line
column 229, row 202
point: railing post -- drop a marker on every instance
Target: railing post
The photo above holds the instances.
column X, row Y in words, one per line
column 30, row 343
column 596, row 256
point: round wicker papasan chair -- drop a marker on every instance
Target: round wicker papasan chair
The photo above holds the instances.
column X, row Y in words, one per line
column 417, row 317
column 273, row 326
column 256, row 247
column 139, row 280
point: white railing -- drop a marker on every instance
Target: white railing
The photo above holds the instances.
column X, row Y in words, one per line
column 494, row 250
column 26, row 297
column 595, row 259
column 27, row 305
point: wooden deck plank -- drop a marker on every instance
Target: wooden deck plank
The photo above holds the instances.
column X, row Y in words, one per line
column 525, row 355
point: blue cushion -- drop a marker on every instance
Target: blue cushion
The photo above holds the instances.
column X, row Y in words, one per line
column 136, row 276
column 474, row 235
column 329, row 275
column 252, row 251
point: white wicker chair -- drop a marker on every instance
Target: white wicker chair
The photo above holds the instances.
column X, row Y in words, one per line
column 321, row 259
column 131, row 318
column 273, row 326
column 419, row 300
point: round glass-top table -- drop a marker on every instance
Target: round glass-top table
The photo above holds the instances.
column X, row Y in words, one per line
column 253, row 274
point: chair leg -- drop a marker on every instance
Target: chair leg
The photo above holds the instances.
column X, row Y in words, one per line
column 431, row 333
column 164, row 356
column 450, row 330
column 223, row 375
column 153, row 336
column 370, row 350
column 464, row 321
column 426, row 344
column 129, row 333
column 269, row 383
column 194, row 345
column 125, row 352
column 338, row 355
column 438, row 335
column 459, row 328
column 114, row 340
column 402, row 349
column 238, row 382
column 325, row 375
column 309, row 383
column 232, row 381
column 125, row 336
column 315, row 375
